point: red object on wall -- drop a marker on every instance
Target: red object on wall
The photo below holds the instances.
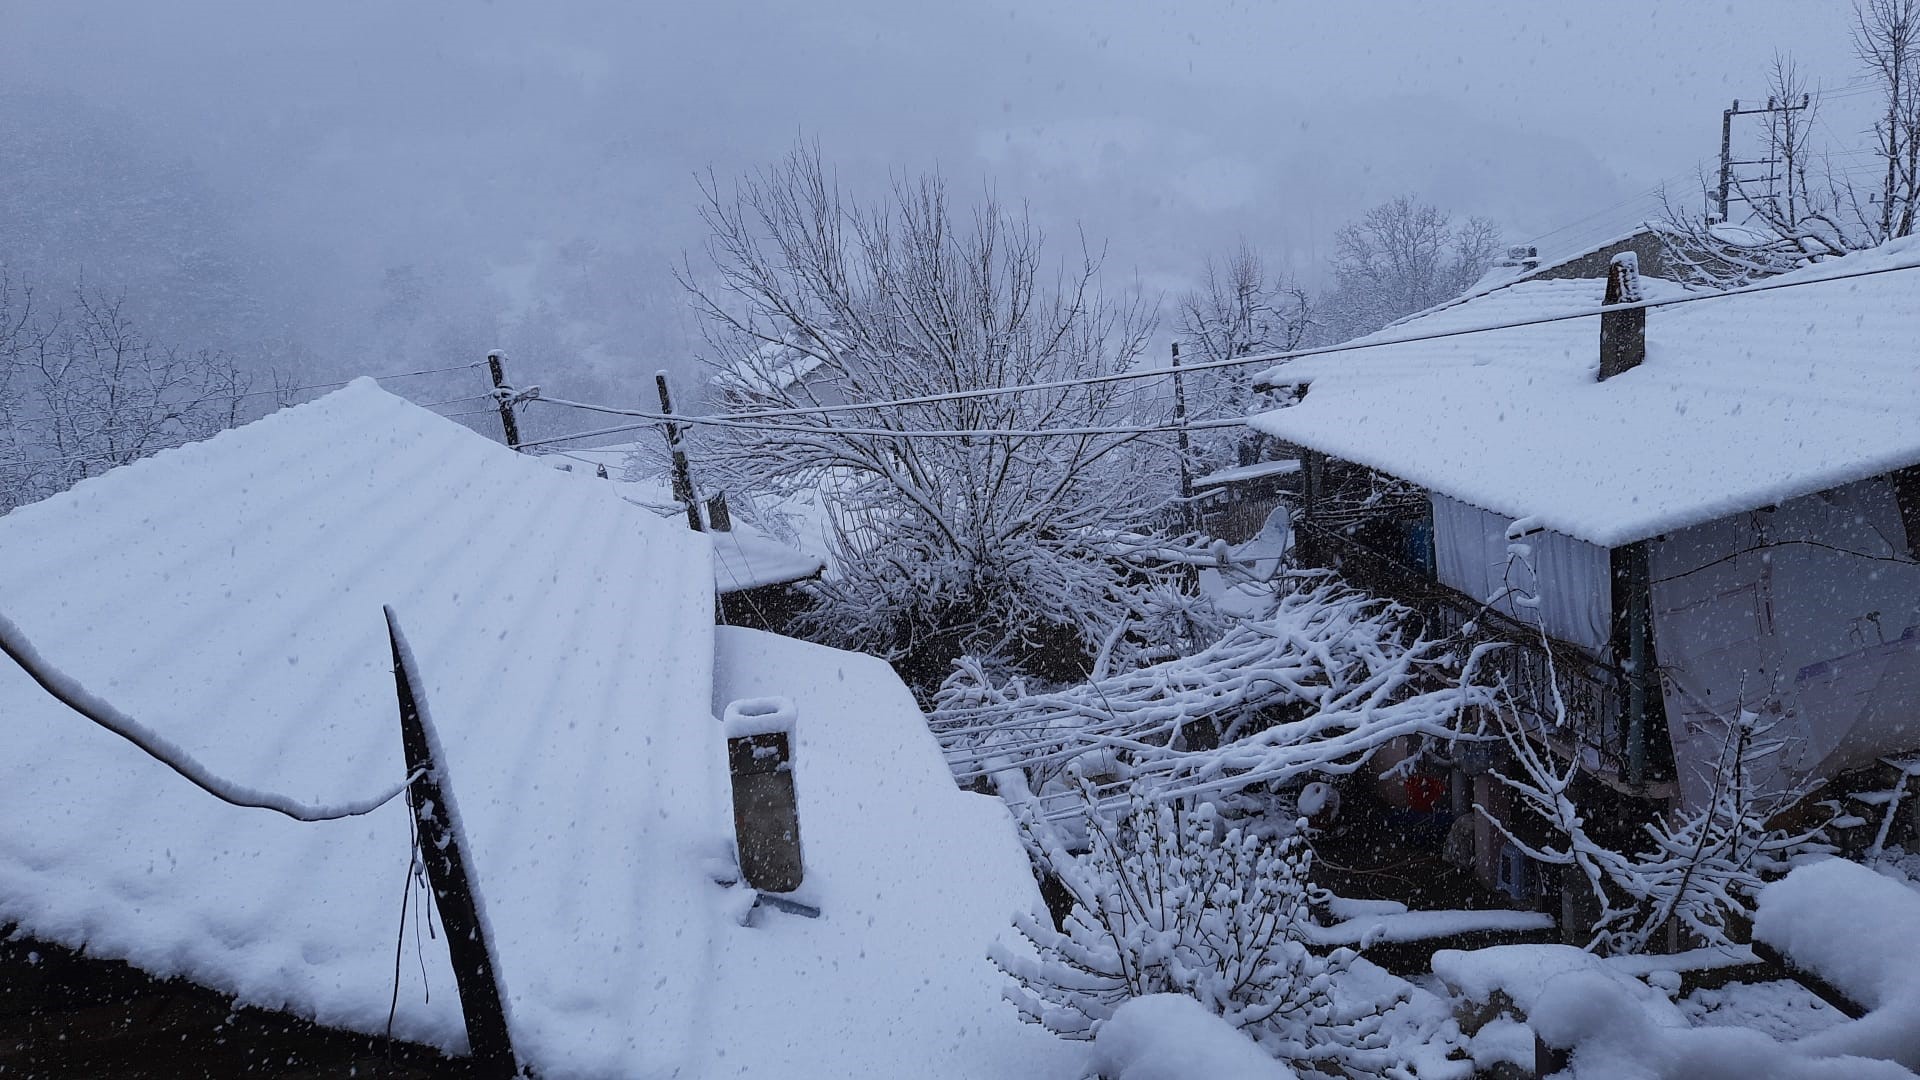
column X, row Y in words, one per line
column 1425, row 792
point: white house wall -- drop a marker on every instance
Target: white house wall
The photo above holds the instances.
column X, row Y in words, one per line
column 1571, row 578
column 1808, row 614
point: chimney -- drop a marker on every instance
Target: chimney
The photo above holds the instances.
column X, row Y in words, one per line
column 1623, row 334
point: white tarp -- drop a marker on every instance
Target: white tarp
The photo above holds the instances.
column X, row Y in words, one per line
column 1572, row 579
column 1807, row 614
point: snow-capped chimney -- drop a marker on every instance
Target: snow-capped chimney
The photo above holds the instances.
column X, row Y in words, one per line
column 1623, row 334
column 766, row 809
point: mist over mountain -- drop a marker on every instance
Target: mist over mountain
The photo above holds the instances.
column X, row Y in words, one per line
column 366, row 187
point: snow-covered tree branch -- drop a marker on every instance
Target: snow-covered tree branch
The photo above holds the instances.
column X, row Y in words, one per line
column 1315, row 687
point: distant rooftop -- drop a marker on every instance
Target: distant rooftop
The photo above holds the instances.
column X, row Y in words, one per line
column 1742, row 402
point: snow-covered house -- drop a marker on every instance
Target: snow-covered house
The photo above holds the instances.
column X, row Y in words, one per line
column 1579, row 256
column 228, row 595
column 1733, row 510
column 752, row 571
column 781, row 370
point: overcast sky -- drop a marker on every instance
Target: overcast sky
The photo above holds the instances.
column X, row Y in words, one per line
column 353, row 135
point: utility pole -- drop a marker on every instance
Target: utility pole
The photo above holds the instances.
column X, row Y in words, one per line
column 1189, row 513
column 509, row 424
column 1184, row 442
column 682, row 473
column 1726, row 154
column 1727, row 162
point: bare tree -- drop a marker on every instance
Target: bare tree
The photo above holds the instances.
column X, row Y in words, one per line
column 1240, row 308
column 991, row 539
column 1701, row 869
column 82, row 390
column 1401, row 257
column 1789, row 194
column 1886, row 39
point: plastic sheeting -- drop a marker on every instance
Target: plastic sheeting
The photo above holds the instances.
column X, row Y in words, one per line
column 1808, row 615
column 1568, row 582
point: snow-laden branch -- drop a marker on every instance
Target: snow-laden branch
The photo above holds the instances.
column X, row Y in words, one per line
column 14, row 642
column 1335, row 658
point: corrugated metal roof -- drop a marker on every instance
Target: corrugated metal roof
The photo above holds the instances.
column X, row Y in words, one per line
column 1742, row 402
column 229, row 594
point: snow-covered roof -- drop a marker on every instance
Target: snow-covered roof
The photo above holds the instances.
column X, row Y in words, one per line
column 774, row 366
column 1547, row 259
column 743, row 557
column 1259, row 470
column 1743, row 401
column 229, row 594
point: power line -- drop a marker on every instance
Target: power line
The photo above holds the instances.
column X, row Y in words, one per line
column 653, row 419
column 737, row 419
column 453, row 401
column 15, row 644
column 60, row 461
column 343, row 382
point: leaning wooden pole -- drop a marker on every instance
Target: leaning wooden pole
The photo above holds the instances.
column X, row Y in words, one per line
column 453, row 893
column 509, row 424
column 1189, row 516
column 683, row 488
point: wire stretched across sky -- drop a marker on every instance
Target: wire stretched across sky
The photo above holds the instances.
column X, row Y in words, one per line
column 655, row 419
column 343, row 382
column 749, row 419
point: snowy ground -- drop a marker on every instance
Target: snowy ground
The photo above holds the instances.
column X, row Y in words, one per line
column 1782, row 1009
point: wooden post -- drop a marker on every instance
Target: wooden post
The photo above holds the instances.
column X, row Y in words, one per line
column 1726, row 155
column 1639, row 660
column 1189, row 513
column 509, row 424
column 1181, row 438
column 683, row 489
column 488, row 1040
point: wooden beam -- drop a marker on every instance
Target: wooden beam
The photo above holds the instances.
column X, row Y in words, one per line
column 488, row 1040
column 509, row 424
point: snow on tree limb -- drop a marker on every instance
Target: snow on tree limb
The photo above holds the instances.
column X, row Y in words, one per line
column 1336, row 655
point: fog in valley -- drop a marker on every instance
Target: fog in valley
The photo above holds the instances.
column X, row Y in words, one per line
column 363, row 187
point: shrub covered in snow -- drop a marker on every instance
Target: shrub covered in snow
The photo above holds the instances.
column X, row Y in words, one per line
column 1172, row 900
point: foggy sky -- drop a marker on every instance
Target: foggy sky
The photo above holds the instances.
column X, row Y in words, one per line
column 478, row 140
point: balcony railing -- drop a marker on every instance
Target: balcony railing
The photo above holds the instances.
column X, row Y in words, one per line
column 1590, row 713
